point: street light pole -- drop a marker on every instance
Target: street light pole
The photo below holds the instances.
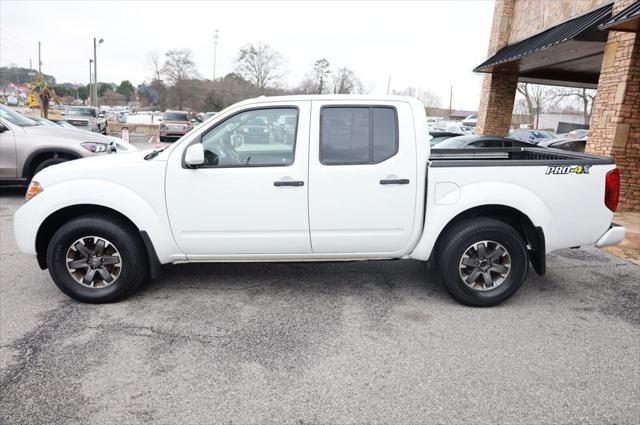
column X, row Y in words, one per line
column 95, row 69
column 90, row 91
column 39, row 60
column 215, row 52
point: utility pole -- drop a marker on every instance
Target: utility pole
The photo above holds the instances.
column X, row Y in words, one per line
column 388, row 84
column 39, row 60
column 95, row 73
column 450, row 99
column 30, row 67
column 215, row 52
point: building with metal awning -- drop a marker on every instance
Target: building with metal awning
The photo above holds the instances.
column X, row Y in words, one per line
column 580, row 43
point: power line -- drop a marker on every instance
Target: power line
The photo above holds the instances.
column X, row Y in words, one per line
column 16, row 38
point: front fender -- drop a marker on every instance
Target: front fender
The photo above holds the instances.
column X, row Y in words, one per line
column 148, row 214
column 441, row 212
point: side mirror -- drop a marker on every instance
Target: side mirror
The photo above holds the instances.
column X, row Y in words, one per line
column 194, row 155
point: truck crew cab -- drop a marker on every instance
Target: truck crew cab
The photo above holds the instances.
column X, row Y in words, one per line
column 349, row 178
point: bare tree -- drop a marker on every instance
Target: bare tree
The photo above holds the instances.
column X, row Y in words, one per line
column 584, row 96
column 153, row 58
column 536, row 96
column 307, row 85
column 345, row 81
column 259, row 64
column 321, row 72
column 178, row 68
column 429, row 98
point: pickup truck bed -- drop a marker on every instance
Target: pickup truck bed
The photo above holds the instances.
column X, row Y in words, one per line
column 503, row 157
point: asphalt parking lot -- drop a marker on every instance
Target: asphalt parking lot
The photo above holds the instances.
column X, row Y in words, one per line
column 369, row 342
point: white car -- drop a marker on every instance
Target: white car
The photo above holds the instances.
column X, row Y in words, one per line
column 353, row 185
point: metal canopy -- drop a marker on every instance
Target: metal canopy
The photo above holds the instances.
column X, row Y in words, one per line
column 568, row 54
column 627, row 20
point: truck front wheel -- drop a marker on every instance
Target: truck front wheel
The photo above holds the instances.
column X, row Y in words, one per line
column 483, row 261
column 96, row 259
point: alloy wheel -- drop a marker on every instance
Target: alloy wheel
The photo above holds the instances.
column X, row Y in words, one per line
column 94, row 262
column 485, row 265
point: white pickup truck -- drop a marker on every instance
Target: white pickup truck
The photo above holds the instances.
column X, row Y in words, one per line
column 316, row 178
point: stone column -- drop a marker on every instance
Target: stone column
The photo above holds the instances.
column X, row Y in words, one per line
column 615, row 123
column 496, row 104
column 498, row 91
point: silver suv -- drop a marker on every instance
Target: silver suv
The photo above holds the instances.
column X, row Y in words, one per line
column 27, row 147
column 86, row 118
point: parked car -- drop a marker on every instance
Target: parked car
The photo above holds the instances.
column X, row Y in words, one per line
column 471, row 120
column 439, row 136
column 175, row 124
column 470, row 142
column 27, row 147
column 208, row 115
column 533, row 136
column 565, row 143
column 462, row 129
column 86, row 118
column 116, row 143
column 353, row 186
column 580, row 133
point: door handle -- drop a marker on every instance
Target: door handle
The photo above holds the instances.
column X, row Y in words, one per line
column 296, row 183
column 394, row 181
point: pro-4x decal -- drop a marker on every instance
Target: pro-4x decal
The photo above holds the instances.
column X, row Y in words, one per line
column 568, row 169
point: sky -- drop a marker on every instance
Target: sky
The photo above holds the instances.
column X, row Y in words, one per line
column 427, row 44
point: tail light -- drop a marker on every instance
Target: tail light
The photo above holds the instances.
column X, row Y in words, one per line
column 612, row 189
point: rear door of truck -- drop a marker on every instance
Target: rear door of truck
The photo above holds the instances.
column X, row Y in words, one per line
column 362, row 177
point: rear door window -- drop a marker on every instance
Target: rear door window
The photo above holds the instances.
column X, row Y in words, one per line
column 358, row 134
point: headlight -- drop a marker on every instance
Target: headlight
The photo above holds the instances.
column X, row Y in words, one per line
column 95, row 147
column 163, row 126
column 33, row 190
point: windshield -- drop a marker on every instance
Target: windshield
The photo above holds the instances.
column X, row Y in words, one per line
column 81, row 112
column 46, row 122
column 176, row 116
column 15, row 118
column 66, row 125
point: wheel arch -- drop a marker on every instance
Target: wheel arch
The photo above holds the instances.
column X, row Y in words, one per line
column 531, row 230
column 55, row 220
column 532, row 235
column 37, row 156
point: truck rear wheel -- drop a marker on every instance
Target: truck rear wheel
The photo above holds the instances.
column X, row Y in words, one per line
column 483, row 261
column 96, row 259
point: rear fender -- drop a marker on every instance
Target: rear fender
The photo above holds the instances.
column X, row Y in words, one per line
column 438, row 216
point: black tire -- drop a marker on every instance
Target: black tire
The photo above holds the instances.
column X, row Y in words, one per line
column 120, row 235
column 454, row 245
column 49, row 162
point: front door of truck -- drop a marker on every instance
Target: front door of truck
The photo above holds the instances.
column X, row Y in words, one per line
column 250, row 196
column 362, row 177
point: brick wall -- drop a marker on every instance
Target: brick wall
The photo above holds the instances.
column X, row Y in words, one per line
column 615, row 123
